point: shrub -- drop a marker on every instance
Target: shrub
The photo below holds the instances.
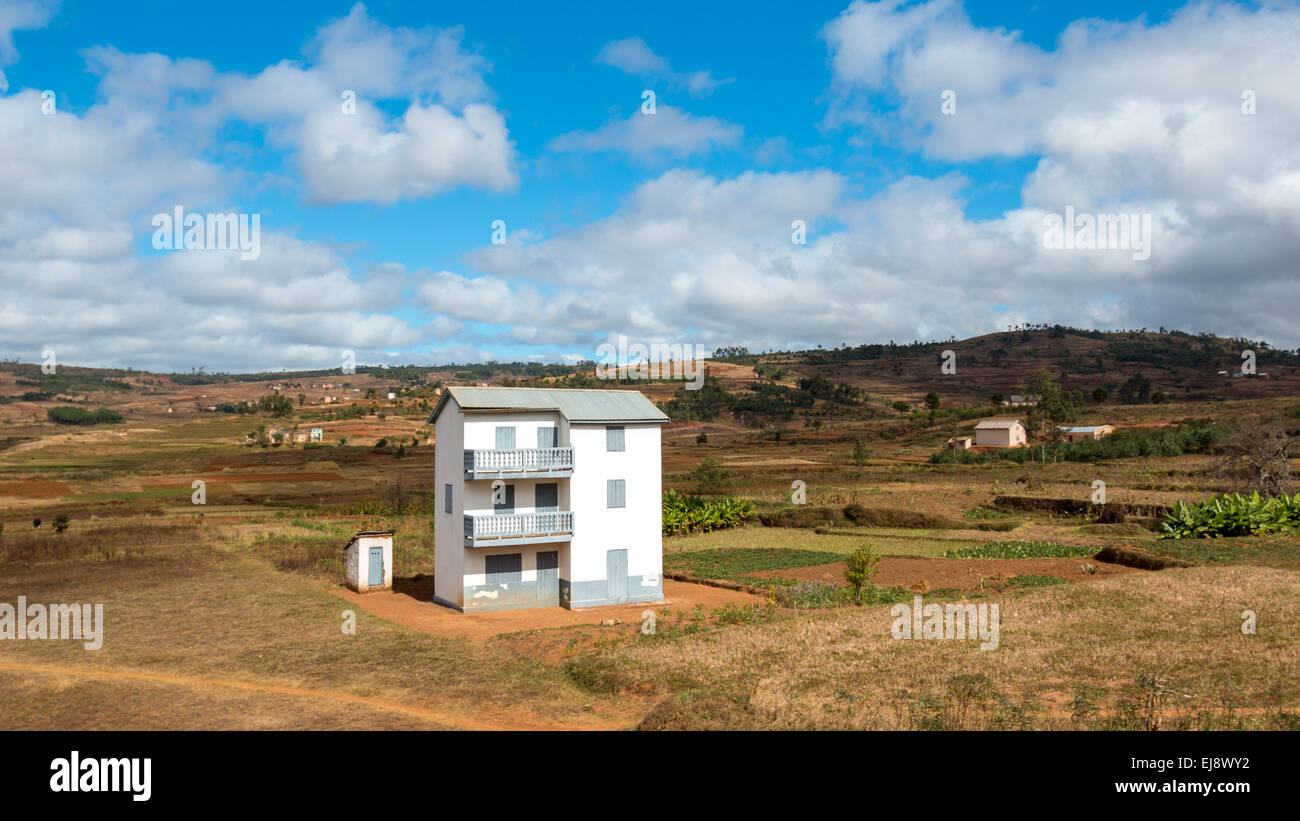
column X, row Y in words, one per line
column 859, row 568
column 60, row 523
column 711, row 477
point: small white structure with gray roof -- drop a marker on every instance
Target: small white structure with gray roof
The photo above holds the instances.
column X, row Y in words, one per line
column 547, row 497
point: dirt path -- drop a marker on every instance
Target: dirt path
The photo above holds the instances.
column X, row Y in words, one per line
column 443, row 718
column 411, row 605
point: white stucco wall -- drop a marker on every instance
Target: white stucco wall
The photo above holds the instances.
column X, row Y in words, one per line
column 481, row 428
column 449, row 528
column 358, row 563
column 597, row 528
column 1001, row 437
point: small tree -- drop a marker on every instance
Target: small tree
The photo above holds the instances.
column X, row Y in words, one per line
column 860, row 452
column 859, row 569
column 1258, row 455
column 60, row 523
column 932, row 401
column 702, row 439
column 1100, row 395
column 711, row 477
column 997, row 399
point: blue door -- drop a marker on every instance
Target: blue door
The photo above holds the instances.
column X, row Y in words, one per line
column 376, row 565
column 616, row 574
column 548, row 576
column 548, row 497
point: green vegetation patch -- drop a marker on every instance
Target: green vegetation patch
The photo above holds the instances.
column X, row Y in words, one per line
column 1021, row 550
column 736, row 564
column 693, row 514
column 68, row 415
column 1232, row 514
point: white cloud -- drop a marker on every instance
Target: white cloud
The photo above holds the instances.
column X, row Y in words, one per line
column 668, row 132
column 633, row 56
column 17, row 15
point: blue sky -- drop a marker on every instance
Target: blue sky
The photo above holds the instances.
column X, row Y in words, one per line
column 670, row 227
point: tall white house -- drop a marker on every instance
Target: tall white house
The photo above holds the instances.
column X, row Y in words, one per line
column 547, row 497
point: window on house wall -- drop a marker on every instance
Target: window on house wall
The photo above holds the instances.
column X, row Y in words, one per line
column 508, row 506
column 506, row 437
column 506, row 569
column 616, row 493
column 548, row 437
column 446, row 498
column 614, row 437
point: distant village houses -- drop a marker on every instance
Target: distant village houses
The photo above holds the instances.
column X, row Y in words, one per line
column 1080, row 434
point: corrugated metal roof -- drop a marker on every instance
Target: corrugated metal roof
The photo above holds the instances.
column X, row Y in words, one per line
column 1085, row 429
column 997, row 424
column 576, row 404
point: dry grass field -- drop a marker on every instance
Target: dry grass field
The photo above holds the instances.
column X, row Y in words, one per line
column 227, row 614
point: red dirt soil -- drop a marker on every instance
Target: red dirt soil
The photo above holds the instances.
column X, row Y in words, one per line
column 922, row 574
column 34, row 490
column 410, row 605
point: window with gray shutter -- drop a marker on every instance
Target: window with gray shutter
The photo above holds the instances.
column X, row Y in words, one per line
column 504, row 569
column 508, row 506
column 446, row 495
column 616, row 493
column 506, row 438
column 614, row 437
column 548, row 438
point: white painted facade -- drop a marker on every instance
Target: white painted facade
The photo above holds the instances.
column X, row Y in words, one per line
column 359, row 565
column 1001, row 433
column 463, row 577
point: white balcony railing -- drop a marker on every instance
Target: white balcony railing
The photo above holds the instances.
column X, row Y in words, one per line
column 517, row 528
column 523, row 461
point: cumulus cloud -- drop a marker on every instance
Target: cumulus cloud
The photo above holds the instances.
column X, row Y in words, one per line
column 16, row 15
column 1119, row 117
column 78, row 189
column 669, row 132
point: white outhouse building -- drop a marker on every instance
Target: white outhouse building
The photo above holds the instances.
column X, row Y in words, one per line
column 547, row 497
column 370, row 560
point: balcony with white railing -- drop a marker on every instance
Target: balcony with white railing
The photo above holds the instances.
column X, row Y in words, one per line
column 498, row 529
column 522, row 463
